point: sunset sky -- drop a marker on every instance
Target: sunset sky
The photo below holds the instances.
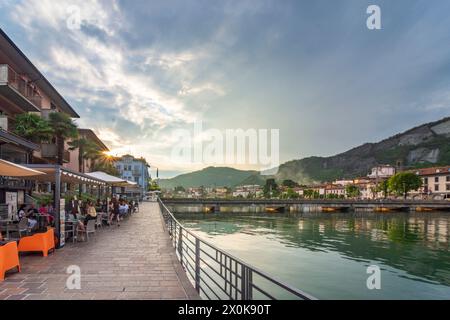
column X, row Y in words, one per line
column 138, row 70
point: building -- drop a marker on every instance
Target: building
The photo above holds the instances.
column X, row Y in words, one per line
column 87, row 162
column 134, row 170
column 247, row 191
column 24, row 89
column 382, row 172
column 436, row 182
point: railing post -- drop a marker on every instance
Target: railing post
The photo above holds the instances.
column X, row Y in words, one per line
column 180, row 244
column 246, row 284
column 197, row 265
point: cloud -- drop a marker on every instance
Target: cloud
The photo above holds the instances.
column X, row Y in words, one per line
column 137, row 70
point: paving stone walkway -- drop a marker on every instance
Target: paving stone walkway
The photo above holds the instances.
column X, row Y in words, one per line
column 133, row 261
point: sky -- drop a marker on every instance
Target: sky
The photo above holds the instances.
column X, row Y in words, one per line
column 137, row 71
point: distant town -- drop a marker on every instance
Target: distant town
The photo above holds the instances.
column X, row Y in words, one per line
column 383, row 182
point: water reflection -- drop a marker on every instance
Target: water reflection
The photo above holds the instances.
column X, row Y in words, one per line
column 414, row 245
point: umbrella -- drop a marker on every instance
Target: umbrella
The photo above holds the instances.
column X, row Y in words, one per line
column 10, row 169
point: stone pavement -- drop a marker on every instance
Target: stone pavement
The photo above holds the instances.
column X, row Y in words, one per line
column 133, row 261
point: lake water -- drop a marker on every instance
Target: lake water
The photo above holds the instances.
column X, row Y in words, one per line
column 327, row 255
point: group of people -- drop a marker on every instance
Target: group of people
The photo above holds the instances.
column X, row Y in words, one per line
column 114, row 210
column 82, row 211
column 30, row 213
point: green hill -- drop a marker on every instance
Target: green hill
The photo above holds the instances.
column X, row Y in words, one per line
column 423, row 146
column 209, row 177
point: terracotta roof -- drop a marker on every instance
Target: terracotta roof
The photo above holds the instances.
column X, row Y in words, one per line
column 432, row 171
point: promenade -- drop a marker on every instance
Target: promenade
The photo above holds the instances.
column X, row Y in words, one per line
column 133, row 261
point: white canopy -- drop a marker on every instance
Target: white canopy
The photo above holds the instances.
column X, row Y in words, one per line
column 115, row 181
column 10, row 169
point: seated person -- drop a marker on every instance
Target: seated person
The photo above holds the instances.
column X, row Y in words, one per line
column 32, row 220
column 91, row 213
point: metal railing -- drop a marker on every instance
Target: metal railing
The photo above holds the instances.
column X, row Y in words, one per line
column 217, row 275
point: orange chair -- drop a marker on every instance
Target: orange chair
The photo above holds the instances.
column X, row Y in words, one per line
column 43, row 242
column 9, row 258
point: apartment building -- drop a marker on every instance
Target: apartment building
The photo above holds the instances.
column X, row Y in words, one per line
column 135, row 170
column 436, row 181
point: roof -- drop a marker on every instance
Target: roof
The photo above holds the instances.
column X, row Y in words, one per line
column 432, row 171
column 12, row 138
column 10, row 48
column 88, row 133
column 110, row 179
column 141, row 159
column 10, row 169
column 67, row 175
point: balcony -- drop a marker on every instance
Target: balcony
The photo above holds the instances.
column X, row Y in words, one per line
column 18, row 90
column 50, row 151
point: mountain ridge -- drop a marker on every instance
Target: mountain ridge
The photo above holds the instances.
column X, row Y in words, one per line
column 421, row 146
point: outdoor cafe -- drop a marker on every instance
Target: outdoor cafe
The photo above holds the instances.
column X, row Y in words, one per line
column 79, row 204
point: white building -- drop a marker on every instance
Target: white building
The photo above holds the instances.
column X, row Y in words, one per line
column 382, row 172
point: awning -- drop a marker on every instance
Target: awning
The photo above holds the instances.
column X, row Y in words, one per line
column 112, row 180
column 67, row 175
column 10, row 169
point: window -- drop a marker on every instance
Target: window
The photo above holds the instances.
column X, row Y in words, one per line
column 436, row 187
column 425, row 181
column 448, row 187
column 436, row 179
column 448, row 178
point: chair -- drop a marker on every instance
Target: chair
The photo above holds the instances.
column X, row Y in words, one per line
column 99, row 220
column 90, row 228
column 42, row 242
column 9, row 258
column 21, row 227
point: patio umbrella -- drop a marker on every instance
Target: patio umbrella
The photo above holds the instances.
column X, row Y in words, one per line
column 10, row 169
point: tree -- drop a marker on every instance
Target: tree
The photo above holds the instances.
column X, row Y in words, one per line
column 404, row 182
column 63, row 129
column 308, row 193
column 291, row 194
column 153, row 186
column 180, row 189
column 86, row 150
column 32, row 127
column 270, row 189
column 352, row 191
column 383, row 187
column 290, row 183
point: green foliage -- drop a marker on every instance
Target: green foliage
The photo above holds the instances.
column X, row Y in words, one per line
column 290, row 194
column 383, row 187
column 45, row 199
column 180, row 189
column 63, row 128
column 63, row 125
column 404, row 182
column 290, row 183
column 32, row 127
column 153, row 186
column 352, row 191
column 270, row 189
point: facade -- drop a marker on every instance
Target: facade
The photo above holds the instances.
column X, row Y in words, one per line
column 436, row 182
column 382, row 172
column 87, row 165
column 247, row 191
column 24, row 89
column 134, row 170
